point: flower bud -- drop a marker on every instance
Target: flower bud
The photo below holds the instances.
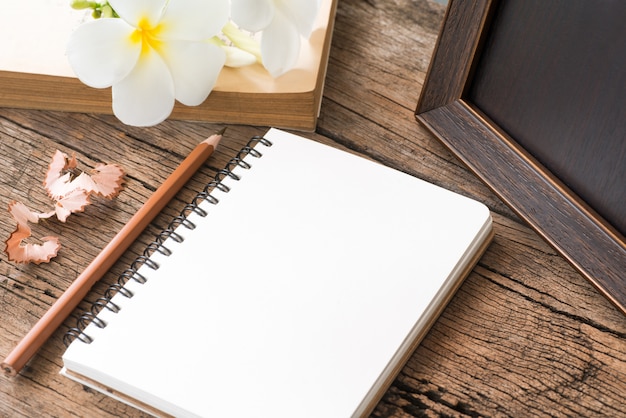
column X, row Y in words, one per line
column 82, row 4
column 242, row 40
column 107, row 11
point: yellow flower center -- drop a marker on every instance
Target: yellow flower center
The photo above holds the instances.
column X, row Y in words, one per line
column 148, row 35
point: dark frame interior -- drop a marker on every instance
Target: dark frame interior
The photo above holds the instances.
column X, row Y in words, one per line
column 533, row 150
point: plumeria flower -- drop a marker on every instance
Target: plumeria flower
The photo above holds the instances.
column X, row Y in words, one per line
column 157, row 52
column 242, row 48
column 282, row 22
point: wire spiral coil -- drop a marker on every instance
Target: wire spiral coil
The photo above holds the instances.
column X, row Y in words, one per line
column 181, row 220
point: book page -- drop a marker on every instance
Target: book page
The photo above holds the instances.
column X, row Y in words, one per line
column 35, row 34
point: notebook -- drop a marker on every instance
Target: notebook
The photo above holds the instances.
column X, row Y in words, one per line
column 297, row 284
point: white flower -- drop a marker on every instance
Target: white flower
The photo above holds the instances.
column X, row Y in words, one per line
column 241, row 48
column 282, row 23
column 155, row 53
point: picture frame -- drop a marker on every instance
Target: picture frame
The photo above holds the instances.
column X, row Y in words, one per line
column 530, row 96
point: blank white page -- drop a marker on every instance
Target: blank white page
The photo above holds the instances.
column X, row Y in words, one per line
column 293, row 295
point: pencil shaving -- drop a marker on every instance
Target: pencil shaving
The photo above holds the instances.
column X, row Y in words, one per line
column 71, row 190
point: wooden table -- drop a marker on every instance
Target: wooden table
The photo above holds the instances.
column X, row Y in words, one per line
column 525, row 335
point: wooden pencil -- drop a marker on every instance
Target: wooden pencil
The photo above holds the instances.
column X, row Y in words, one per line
column 68, row 301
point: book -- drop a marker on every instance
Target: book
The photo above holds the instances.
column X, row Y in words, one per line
column 35, row 73
column 297, row 283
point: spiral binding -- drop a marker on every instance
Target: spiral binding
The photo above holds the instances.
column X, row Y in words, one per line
column 105, row 302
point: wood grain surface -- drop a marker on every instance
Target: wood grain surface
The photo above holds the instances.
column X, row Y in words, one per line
column 556, row 144
column 526, row 335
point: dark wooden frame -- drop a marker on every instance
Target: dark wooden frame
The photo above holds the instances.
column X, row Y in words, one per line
column 563, row 219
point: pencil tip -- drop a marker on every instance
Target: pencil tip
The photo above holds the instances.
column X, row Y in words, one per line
column 215, row 138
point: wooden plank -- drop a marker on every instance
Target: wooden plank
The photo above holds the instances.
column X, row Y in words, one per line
column 499, row 128
column 526, row 335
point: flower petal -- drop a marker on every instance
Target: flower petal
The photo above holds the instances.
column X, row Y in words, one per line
column 193, row 20
column 101, row 52
column 195, row 67
column 280, row 32
column 236, row 58
column 252, row 15
column 242, row 40
column 135, row 11
column 301, row 13
column 146, row 96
